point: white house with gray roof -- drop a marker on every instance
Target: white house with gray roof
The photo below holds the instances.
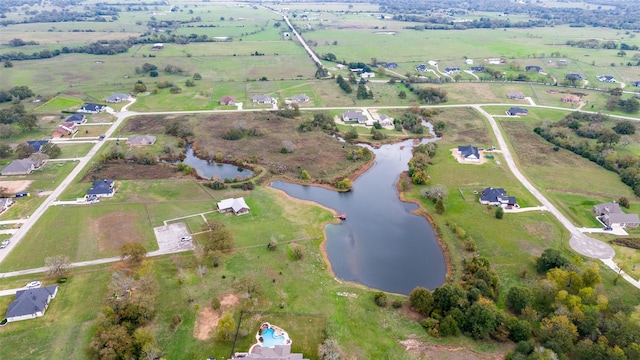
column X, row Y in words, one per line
column 31, row 303
column 20, row 167
column 610, row 214
column 263, row 99
column 358, row 116
column 237, row 205
column 117, row 97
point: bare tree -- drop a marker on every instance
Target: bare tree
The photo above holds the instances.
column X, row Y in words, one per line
column 201, row 270
column 57, row 265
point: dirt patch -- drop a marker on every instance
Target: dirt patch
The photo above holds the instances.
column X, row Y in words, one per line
column 230, row 300
column 206, row 321
column 15, row 186
column 50, row 118
column 113, row 230
column 126, row 171
column 430, row 351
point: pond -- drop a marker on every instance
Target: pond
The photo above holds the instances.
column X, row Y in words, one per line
column 381, row 244
column 208, row 170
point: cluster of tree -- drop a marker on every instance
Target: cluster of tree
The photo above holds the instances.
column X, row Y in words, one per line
column 216, row 237
column 431, row 95
column 238, row 131
column 19, row 42
column 593, row 44
column 289, row 111
column 411, row 122
column 147, row 68
column 615, row 101
column 602, row 152
column 419, row 162
column 321, row 121
column 122, row 332
column 16, row 94
column 359, row 154
column 344, row 85
column 362, row 92
column 16, row 114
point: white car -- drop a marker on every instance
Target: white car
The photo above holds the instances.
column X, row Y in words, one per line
column 33, row 285
column 4, row 244
column 186, row 238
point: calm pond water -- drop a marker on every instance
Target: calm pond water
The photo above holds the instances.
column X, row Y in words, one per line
column 381, row 244
column 208, row 170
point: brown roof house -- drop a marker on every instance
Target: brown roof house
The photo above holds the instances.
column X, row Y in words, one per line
column 228, row 100
column 610, row 214
column 65, row 129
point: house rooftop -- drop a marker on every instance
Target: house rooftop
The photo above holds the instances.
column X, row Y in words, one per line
column 31, row 301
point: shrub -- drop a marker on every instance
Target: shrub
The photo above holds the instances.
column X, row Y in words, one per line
column 176, row 320
column 499, row 213
column 396, row 304
column 380, row 298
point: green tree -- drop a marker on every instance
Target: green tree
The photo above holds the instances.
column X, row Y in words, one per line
column 28, row 122
column 226, row 327
column 24, row 150
column 518, row 298
column 499, row 212
column 447, row 297
column 551, row 258
column 304, row 175
column 624, row 202
column 344, row 184
column 50, row 149
column 112, row 342
column 625, row 127
column 139, row 87
column 133, row 251
column 217, row 236
column 352, row 133
column 402, row 94
column 189, row 83
column 380, row 298
column 421, row 300
column 558, row 334
column 448, row 326
column 197, row 76
column 481, row 320
column 440, row 208
column 5, row 151
column 631, row 106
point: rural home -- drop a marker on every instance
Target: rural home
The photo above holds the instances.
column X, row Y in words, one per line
column 37, row 144
column 65, row 129
column 452, row 71
column 516, row 111
column 117, row 97
column 497, row 197
column 5, row 203
column 263, row 99
column 571, row 99
column 302, row 98
column 610, row 214
column 228, row 100
column 157, row 46
column 495, row 61
column 92, row 108
column 606, row 78
column 341, row 66
column 237, row 205
column 358, row 116
column 77, row 119
column 366, row 75
column 469, row 153
column 21, row 167
column 143, row 140
column 391, row 65
column 468, row 61
column 515, row 95
column 31, row 303
column 385, row 120
column 101, row 188
column 476, row 69
column 421, row 68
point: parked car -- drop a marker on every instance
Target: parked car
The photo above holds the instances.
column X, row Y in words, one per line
column 33, row 285
column 101, row 137
column 5, row 244
column 186, row 238
column 607, row 228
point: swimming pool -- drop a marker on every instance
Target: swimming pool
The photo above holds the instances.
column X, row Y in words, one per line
column 270, row 339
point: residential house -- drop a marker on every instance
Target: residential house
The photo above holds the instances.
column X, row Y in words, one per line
column 452, row 71
column 275, row 352
column 77, row 119
column 421, row 68
column 391, row 65
column 228, row 100
column 358, row 116
column 515, row 111
column 263, row 99
column 610, row 214
column 31, row 303
column 101, row 188
column 65, row 129
column 157, row 46
column 571, row 99
column 606, row 78
column 385, row 120
column 21, row 167
column 533, row 68
column 237, row 205
column 432, row 63
column 143, row 140
column 92, row 108
column 468, row 61
column 497, row 197
column 117, row 97
column 476, row 69
column 515, row 95
column 496, row 61
column 341, row 66
column 37, row 144
column 356, row 70
column 302, row 98
column 5, row 203
column 366, row 75
column 469, row 153
column 573, row 76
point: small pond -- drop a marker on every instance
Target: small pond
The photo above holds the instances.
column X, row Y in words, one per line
column 208, row 170
column 381, row 244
